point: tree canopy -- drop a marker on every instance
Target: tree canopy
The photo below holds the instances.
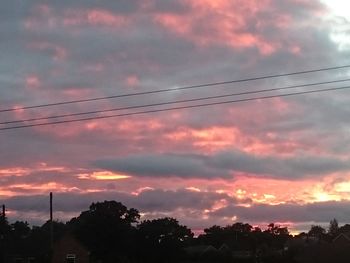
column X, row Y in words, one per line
column 105, row 226
column 113, row 233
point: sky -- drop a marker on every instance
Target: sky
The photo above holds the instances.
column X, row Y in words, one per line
column 282, row 159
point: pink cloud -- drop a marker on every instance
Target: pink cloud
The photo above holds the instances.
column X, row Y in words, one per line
column 159, row 132
column 221, row 23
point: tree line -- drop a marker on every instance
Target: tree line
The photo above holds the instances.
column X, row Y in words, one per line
column 114, row 233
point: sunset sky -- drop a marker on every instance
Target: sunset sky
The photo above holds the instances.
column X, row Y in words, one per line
column 283, row 159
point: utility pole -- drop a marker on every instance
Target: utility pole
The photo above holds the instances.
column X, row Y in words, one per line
column 3, row 212
column 51, row 223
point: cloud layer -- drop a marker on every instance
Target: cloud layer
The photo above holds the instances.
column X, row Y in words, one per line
column 225, row 164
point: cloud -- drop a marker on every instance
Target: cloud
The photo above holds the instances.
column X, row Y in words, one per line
column 148, row 201
column 223, row 165
column 163, row 165
column 196, row 209
column 314, row 212
column 165, row 201
column 295, row 167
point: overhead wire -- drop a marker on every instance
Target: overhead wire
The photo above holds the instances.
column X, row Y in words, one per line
column 172, row 102
column 175, row 89
column 175, row 108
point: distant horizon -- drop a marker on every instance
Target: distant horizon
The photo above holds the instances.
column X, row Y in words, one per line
column 262, row 225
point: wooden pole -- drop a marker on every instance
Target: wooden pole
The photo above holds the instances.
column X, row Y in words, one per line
column 51, row 222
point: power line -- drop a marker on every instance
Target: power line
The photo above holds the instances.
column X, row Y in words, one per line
column 173, row 102
column 176, row 89
column 174, row 108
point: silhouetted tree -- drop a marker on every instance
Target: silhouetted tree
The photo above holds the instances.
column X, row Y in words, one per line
column 275, row 236
column 4, row 227
column 4, row 234
column 213, row 235
column 17, row 238
column 106, row 229
column 20, row 229
column 240, row 228
column 277, row 230
column 163, row 239
column 38, row 241
column 344, row 229
column 317, row 232
column 236, row 236
column 333, row 228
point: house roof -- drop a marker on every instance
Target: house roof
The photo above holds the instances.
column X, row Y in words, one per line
column 199, row 249
column 345, row 236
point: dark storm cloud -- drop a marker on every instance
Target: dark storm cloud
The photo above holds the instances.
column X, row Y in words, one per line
column 223, row 165
column 300, row 166
column 161, row 166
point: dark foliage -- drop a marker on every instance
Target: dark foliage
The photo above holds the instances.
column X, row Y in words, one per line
column 112, row 233
column 106, row 229
column 162, row 240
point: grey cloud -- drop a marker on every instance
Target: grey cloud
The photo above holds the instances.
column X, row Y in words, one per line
column 161, row 166
column 27, row 203
column 120, row 6
column 150, row 201
column 125, row 7
column 135, row 49
column 224, row 164
column 293, row 167
column 187, row 206
column 161, row 200
column 314, row 212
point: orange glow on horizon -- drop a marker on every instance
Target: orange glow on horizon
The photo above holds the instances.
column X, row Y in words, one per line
column 16, row 171
column 104, row 175
column 325, row 197
column 343, row 187
column 194, row 189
